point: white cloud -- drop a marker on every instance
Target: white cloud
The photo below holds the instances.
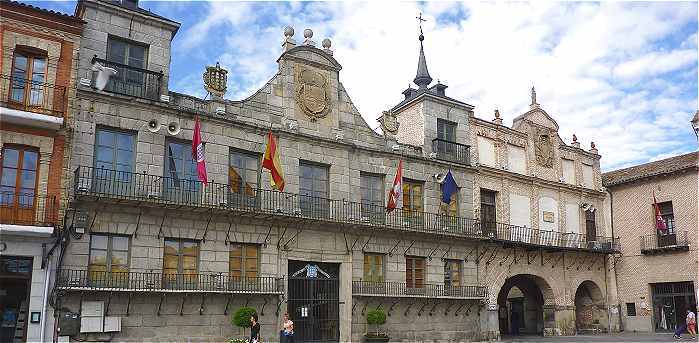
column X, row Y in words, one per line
column 598, row 68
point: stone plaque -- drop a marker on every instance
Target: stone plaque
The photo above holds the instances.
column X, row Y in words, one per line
column 548, row 216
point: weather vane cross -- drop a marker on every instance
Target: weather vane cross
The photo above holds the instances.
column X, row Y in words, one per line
column 420, row 20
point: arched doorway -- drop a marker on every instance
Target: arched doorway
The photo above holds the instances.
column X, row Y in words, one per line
column 521, row 305
column 590, row 311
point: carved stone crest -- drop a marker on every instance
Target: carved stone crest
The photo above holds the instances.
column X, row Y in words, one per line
column 313, row 94
column 215, row 80
column 389, row 122
column 544, row 149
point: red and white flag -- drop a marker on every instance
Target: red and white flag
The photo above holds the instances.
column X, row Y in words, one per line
column 659, row 222
column 198, row 152
column 395, row 195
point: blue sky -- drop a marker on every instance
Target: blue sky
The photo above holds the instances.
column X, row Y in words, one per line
column 621, row 74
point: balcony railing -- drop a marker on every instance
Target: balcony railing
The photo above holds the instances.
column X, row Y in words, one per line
column 170, row 192
column 31, row 96
column 401, row 289
column 655, row 244
column 132, row 81
column 71, row 279
column 28, row 209
column 451, row 151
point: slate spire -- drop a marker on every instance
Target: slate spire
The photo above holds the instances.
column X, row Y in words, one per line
column 422, row 78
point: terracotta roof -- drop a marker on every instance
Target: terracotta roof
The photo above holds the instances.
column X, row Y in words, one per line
column 35, row 8
column 647, row 170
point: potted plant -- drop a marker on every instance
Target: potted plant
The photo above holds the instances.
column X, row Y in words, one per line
column 241, row 319
column 376, row 318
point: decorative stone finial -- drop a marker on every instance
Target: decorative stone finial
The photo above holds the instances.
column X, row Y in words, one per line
column 497, row 119
column 422, row 78
column 593, row 148
column 288, row 32
column 308, row 34
column 533, row 96
column 288, row 41
column 326, row 46
column 575, row 142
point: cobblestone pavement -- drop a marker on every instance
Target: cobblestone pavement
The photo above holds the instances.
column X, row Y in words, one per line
column 620, row 337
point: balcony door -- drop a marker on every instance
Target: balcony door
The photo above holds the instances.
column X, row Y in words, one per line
column 371, row 187
column 313, row 190
column 181, row 180
column 18, row 183
column 115, row 158
column 488, row 212
column 446, row 133
column 130, row 59
column 28, row 81
column 243, row 173
column 669, row 237
column 180, row 264
column 415, row 275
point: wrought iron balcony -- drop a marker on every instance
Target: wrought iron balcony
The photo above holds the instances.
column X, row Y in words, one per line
column 550, row 239
column 31, row 96
column 143, row 189
column 401, row 290
column 132, row 81
column 451, row 151
column 658, row 243
column 81, row 280
column 28, row 209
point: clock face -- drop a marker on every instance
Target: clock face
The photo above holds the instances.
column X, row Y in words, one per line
column 390, row 123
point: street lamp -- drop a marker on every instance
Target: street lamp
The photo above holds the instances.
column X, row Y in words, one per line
column 695, row 124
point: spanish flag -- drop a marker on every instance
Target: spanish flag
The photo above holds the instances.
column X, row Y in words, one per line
column 271, row 162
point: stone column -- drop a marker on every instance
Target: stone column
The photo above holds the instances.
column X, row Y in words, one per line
column 489, row 322
column 346, row 299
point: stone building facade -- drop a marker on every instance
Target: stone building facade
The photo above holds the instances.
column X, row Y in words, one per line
column 657, row 270
column 37, row 76
column 154, row 254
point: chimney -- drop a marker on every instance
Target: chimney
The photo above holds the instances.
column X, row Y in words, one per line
column 409, row 93
column 439, row 88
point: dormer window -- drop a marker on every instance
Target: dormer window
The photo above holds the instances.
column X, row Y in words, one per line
column 446, row 130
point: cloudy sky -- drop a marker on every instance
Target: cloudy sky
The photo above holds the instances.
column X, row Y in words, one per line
column 621, row 74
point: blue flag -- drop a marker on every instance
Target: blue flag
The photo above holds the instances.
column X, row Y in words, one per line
column 449, row 187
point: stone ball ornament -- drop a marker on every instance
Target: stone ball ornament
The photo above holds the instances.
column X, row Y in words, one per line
column 288, row 31
column 327, row 43
column 308, row 33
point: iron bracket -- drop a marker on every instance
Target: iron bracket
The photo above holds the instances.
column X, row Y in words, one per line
column 502, row 260
column 409, row 246
column 419, row 312
column 264, row 243
column 138, row 222
column 514, row 256
column 379, row 307
column 228, row 234
column 434, row 307
column 562, row 257
column 128, row 304
column 281, row 237
column 280, row 300
column 469, row 254
column 446, row 252
column 247, row 301
column 161, row 225
column 206, row 230
column 182, row 304
column 228, row 302
column 390, row 309
column 429, row 257
column 448, row 308
column 364, row 308
column 354, row 306
column 458, row 310
column 390, row 252
column 581, row 263
column 575, row 261
column 541, row 256
column 468, row 310
column 201, row 307
column 92, row 222
column 286, row 245
column 344, row 235
column 160, row 304
column 492, row 256
column 367, row 242
column 481, row 255
column 355, row 242
column 407, row 310
column 529, row 261
column 262, row 312
column 109, row 301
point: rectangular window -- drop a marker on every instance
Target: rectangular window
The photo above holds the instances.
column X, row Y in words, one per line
column 180, row 263
column 371, row 187
column 452, row 273
column 568, row 171
column 446, row 130
column 244, row 260
column 631, row 309
column 131, row 60
column 590, row 226
column 243, row 172
column 516, row 159
column 18, row 183
column 181, row 179
column 486, row 151
column 115, row 159
column 374, row 267
column 109, row 258
column 414, row 272
column 313, row 189
column 28, row 81
column 669, row 237
column 126, row 52
column 488, row 212
column 588, row 178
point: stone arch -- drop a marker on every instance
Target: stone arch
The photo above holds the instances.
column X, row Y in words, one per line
column 525, row 305
column 590, row 307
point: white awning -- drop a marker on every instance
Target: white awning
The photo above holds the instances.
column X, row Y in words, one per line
column 32, row 119
column 26, row 230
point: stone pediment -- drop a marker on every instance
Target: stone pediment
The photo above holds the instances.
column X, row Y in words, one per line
column 537, row 116
column 312, row 56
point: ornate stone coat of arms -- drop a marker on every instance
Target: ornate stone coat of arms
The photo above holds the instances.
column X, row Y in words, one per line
column 215, row 80
column 313, row 94
column 544, row 150
column 389, row 122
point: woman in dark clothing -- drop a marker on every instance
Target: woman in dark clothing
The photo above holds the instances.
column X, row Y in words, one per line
column 254, row 329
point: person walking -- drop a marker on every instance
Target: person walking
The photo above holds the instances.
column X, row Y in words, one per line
column 286, row 334
column 254, row 329
column 692, row 323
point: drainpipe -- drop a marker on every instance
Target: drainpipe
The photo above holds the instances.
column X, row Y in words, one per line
column 44, row 306
column 616, row 277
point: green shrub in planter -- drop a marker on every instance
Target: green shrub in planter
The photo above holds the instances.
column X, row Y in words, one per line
column 241, row 318
column 376, row 318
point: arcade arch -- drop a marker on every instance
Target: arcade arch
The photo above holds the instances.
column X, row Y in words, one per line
column 521, row 302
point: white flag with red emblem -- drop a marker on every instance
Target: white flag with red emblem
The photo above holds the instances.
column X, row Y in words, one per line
column 198, row 152
column 395, row 195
